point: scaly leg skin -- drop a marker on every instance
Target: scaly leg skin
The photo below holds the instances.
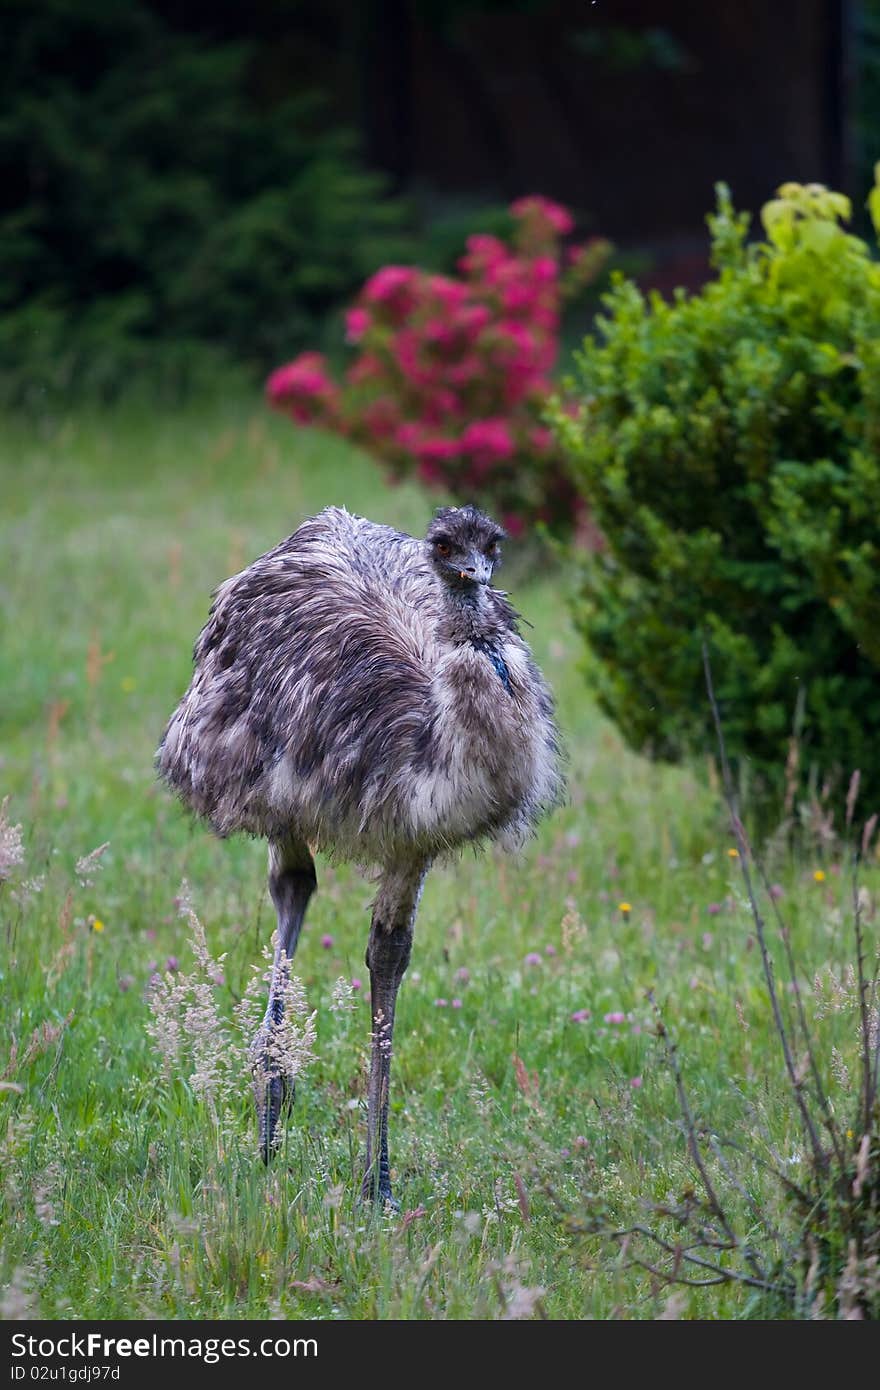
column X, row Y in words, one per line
column 292, row 882
column 388, row 953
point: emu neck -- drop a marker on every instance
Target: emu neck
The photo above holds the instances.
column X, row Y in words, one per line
column 468, row 616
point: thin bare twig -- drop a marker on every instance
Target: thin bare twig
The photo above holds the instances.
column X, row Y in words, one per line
column 730, row 1276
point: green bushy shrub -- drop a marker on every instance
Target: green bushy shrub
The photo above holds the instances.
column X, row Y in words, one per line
column 728, row 445
column 152, row 203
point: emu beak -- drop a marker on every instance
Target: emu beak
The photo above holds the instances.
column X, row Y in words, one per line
column 479, row 570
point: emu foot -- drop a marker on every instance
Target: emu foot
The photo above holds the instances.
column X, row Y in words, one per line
column 379, row 1194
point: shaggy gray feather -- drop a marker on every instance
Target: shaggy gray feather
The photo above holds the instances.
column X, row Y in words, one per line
column 356, row 690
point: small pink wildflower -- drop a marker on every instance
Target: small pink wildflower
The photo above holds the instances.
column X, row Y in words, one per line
column 616, row 1017
column 549, row 950
column 172, row 964
column 463, row 974
column 713, row 909
column 125, row 983
column 441, row 1003
column 533, row 958
column 636, row 1083
column 327, row 941
column 355, row 983
column 776, row 891
column 456, row 1003
column 707, row 940
column 581, row 1016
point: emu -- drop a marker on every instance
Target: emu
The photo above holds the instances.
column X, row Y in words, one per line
column 360, row 692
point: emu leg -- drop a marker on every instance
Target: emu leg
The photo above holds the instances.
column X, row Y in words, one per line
column 292, row 881
column 388, row 953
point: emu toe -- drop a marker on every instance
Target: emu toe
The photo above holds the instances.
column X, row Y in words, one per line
column 381, row 1197
column 379, row 1192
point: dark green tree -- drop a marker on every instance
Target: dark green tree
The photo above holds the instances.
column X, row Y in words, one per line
column 151, row 202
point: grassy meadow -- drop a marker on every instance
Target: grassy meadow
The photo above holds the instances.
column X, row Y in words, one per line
column 530, row 1096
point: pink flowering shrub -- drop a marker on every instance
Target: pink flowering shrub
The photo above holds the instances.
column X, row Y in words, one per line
column 451, row 375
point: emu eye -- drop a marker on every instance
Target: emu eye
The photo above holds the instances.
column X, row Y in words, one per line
column 491, row 551
column 443, row 548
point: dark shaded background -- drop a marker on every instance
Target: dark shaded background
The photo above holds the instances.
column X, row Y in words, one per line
column 202, row 172
column 627, row 110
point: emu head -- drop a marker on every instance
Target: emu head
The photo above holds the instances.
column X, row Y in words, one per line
column 463, row 546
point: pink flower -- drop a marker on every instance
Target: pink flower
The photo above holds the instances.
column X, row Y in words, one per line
column 450, row 293
column 776, row 890
column 471, row 320
column 302, row 388
column 368, row 367
column 172, row 964
column 554, row 214
column 437, row 448
column 488, row 441
column 355, row 983
column 484, row 254
column 305, row 376
column 441, row 1003
column 541, row 439
column 544, row 269
column 381, row 417
column 388, row 283
column 463, row 974
column 533, row 958
column 357, row 321
column 327, row 941
column 636, row 1083
column 549, row 950
column 616, row 1017
column 456, row 1003
column 714, row 908
column 581, row 1016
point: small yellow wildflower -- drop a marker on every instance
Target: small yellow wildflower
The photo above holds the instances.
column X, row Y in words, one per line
column 625, row 908
column 128, row 684
column 819, row 876
column 97, row 924
column 849, row 1134
column 733, row 853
